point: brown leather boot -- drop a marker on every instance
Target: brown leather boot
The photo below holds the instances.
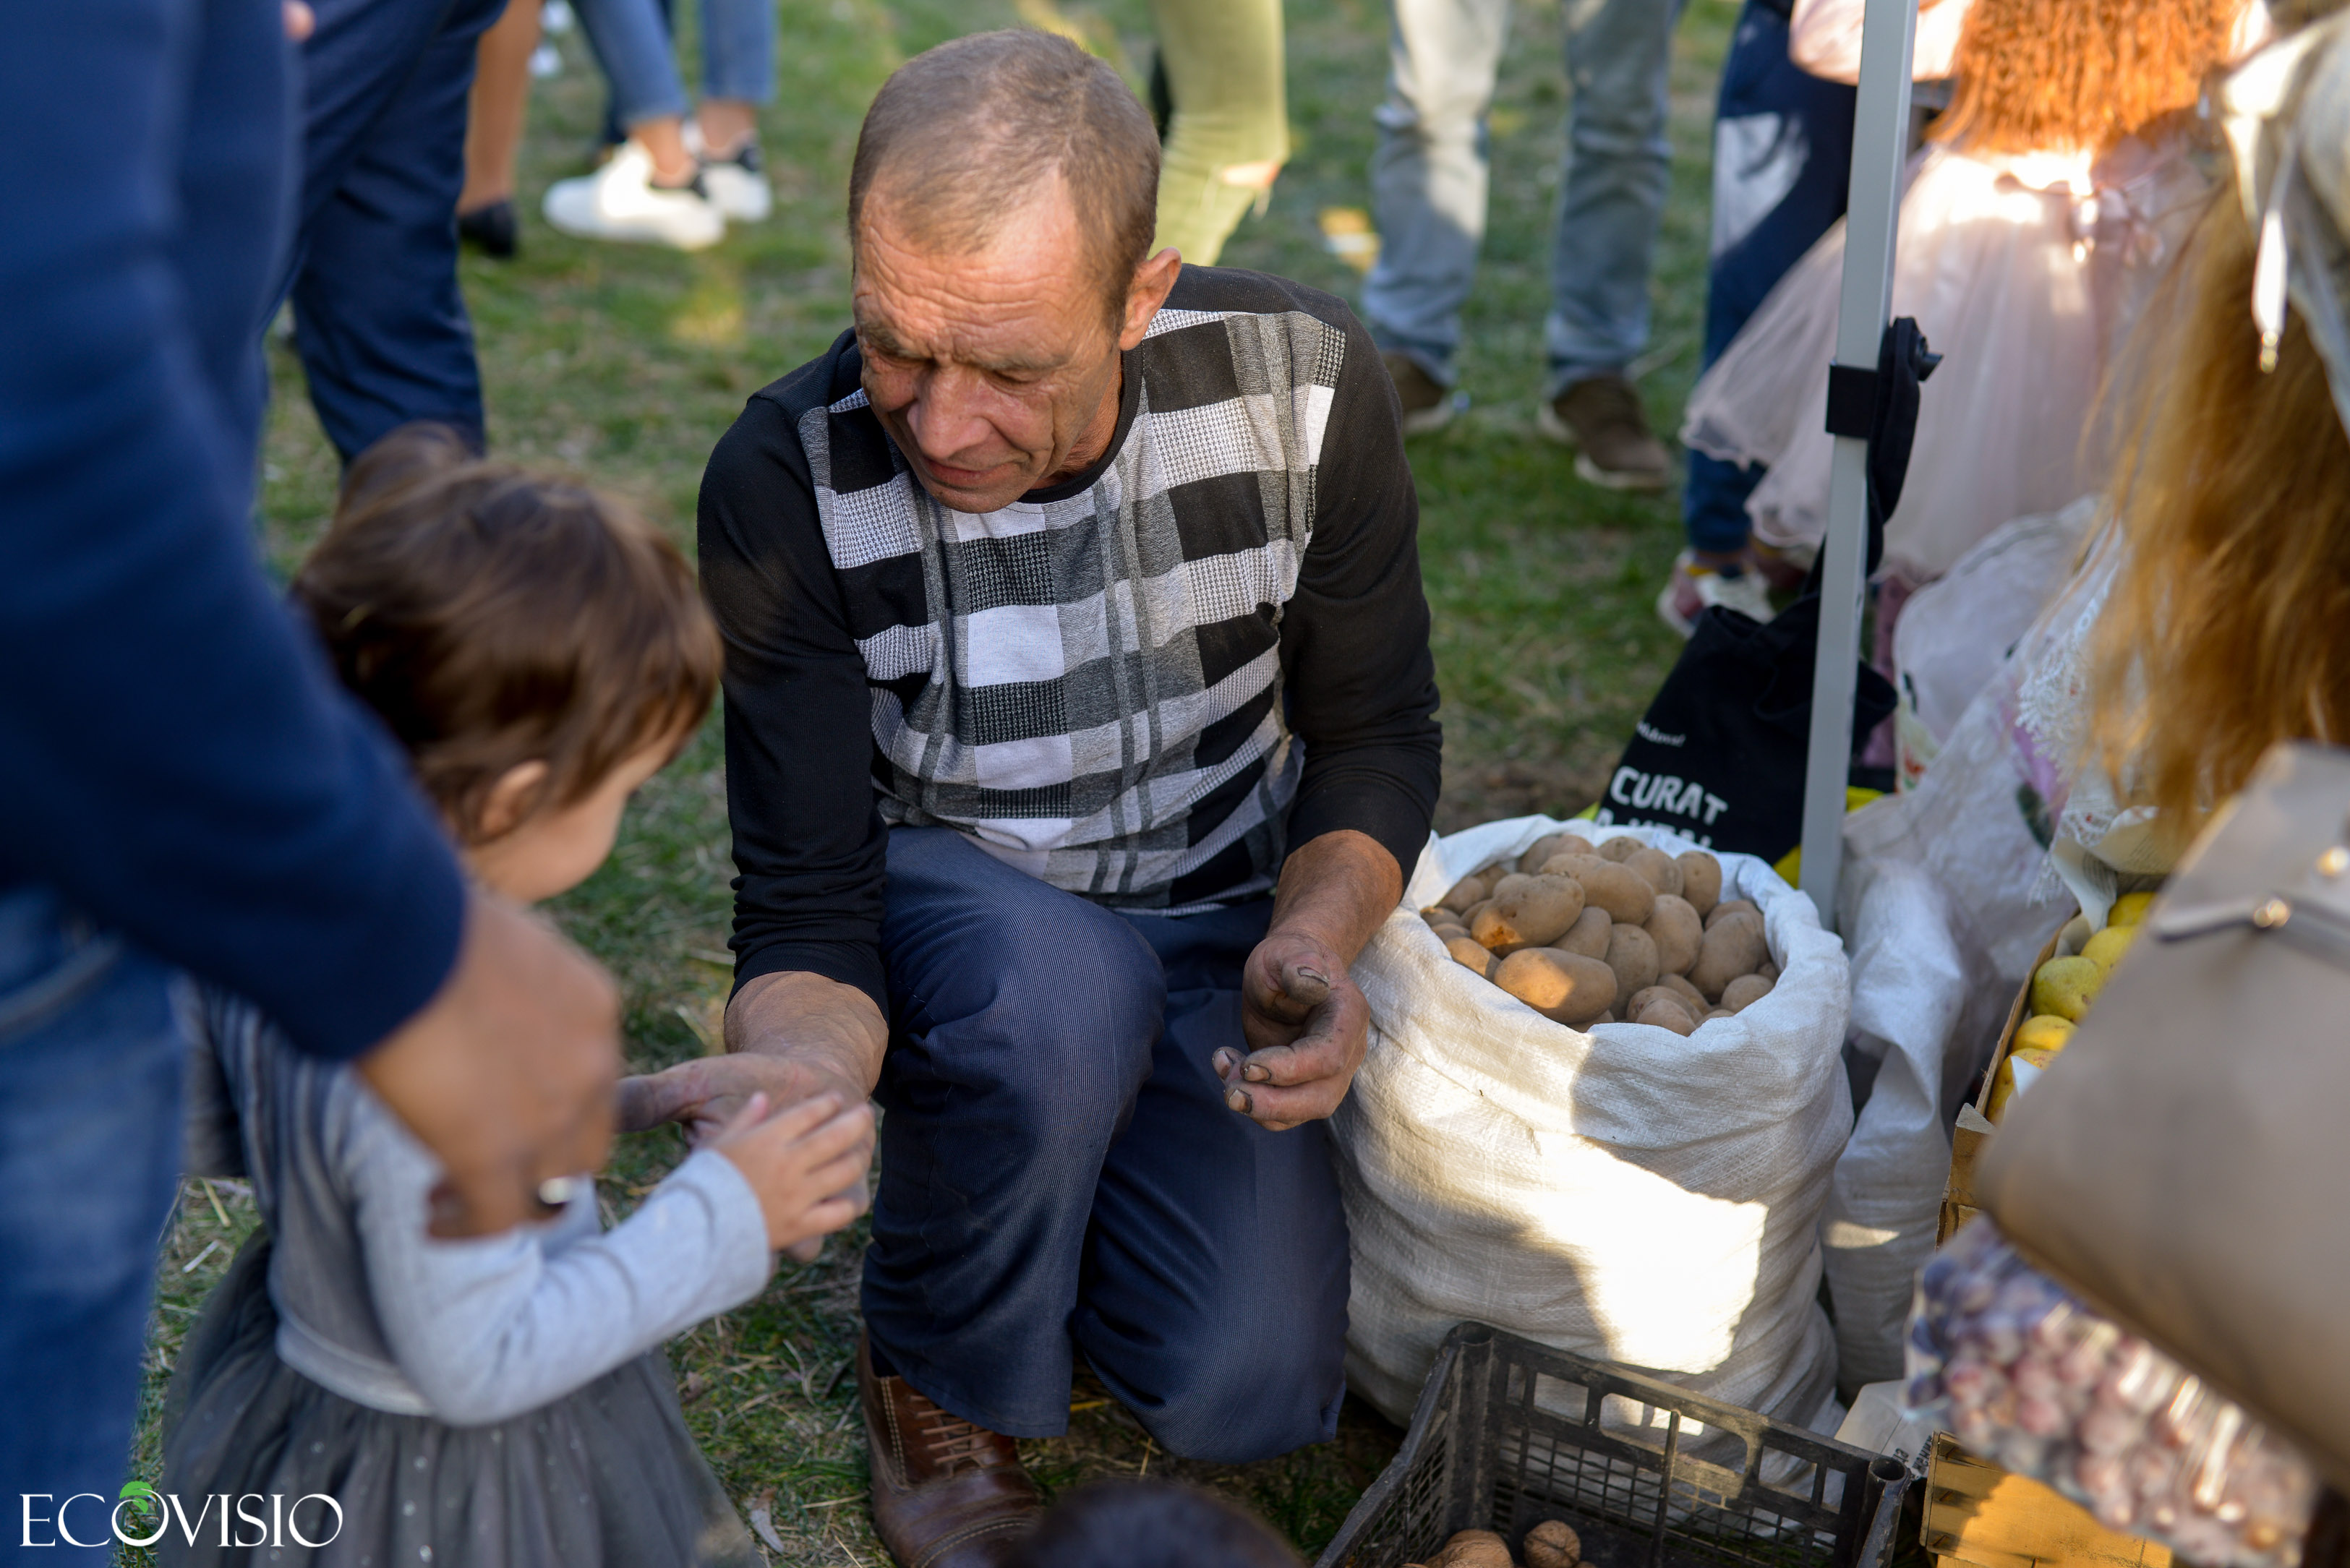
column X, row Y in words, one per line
column 947, row 1493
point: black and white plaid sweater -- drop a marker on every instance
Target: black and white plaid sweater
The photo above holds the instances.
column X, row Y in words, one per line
column 1142, row 685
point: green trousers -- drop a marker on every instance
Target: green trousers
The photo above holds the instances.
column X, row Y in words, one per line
column 1224, row 60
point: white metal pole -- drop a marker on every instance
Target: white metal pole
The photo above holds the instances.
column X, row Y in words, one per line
column 1880, row 141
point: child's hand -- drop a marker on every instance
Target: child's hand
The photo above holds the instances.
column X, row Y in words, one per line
column 806, row 1163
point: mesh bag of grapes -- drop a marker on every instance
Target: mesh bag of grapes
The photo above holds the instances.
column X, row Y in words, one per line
column 2027, row 1376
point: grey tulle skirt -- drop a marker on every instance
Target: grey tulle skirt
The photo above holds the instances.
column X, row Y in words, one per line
column 607, row 1477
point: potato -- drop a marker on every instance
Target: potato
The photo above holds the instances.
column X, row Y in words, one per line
column 1717, row 1012
column 1633, row 956
column 1647, row 994
column 1744, row 992
column 1701, row 881
column 1588, row 936
column 1490, row 930
column 1657, row 868
column 1551, row 1545
column 1621, row 849
column 1602, row 1018
column 1627, row 898
column 1552, row 844
column 1542, row 910
column 1473, row 1549
column 1467, row 893
column 1469, row 916
column 1735, row 907
column 1732, row 948
column 1449, row 930
column 1667, row 1012
column 1508, row 884
column 1768, row 971
column 1565, row 988
column 1689, row 994
column 1473, row 954
column 1674, row 926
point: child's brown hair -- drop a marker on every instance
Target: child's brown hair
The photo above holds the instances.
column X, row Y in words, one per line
column 2077, row 76
column 492, row 617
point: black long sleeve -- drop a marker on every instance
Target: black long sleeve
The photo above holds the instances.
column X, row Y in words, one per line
column 801, row 763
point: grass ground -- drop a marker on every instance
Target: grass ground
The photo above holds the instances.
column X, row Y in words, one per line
column 625, row 364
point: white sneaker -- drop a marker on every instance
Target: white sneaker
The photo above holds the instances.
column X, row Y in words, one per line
column 1692, row 589
column 738, row 184
column 620, row 201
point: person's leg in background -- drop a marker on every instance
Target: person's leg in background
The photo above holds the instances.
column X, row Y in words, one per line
column 613, row 132
column 1611, row 199
column 1429, row 183
column 738, row 75
column 1214, row 1298
column 1781, row 165
column 493, row 120
column 90, row 1058
column 1229, row 134
column 379, row 319
column 650, row 191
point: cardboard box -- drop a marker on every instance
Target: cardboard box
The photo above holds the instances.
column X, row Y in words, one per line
column 1974, row 1124
column 1982, row 1516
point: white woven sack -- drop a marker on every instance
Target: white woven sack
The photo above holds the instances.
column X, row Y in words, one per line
column 1625, row 1193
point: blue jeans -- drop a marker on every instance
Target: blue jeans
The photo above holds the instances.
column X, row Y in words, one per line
column 1781, row 165
column 89, row 1153
column 1429, row 179
column 631, row 41
column 1060, row 1171
column 379, row 320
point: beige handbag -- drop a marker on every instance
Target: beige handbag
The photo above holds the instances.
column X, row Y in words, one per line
column 2186, row 1166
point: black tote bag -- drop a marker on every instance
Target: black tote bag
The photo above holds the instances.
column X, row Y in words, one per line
column 1720, row 754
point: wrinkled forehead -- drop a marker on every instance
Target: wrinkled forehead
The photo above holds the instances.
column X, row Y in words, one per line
column 1010, row 289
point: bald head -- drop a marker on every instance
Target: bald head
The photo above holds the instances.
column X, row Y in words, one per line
column 964, row 136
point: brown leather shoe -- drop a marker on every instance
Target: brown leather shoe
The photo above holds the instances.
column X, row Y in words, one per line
column 1602, row 417
column 1427, row 402
column 947, row 1493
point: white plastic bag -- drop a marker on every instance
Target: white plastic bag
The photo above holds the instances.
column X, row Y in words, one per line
column 1956, row 632
column 1626, row 1193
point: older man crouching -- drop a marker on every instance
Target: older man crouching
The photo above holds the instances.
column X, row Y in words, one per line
column 1078, row 733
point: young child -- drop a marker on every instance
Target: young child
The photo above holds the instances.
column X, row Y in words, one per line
column 2058, row 186
column 502, row 1400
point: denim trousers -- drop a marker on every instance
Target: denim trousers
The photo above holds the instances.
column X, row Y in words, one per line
column 1781, row 166
column 631, row 40
column 90, row 1054
column 1060, row 1173
column 1428, row 178
column 379, row 320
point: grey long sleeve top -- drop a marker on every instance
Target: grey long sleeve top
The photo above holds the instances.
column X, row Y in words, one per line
column 468, row 1332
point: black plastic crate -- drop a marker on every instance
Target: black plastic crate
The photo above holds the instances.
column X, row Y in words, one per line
column 1507, row 1434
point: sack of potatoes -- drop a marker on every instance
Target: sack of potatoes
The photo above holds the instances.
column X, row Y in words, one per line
column 1590, row 930
column 1581, row 1046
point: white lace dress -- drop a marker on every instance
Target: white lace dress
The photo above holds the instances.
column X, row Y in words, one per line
column 2024, row 273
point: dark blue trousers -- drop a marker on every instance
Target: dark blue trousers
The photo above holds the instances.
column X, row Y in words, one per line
column 1781, row 166
column 380, row 322
column 1060, row 1171
column 90, row 1155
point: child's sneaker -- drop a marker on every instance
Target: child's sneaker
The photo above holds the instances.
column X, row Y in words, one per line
column 1692, row 588
column 621, row 201
column 738, row 181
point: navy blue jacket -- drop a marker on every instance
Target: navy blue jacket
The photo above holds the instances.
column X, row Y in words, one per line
column 176, row 757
